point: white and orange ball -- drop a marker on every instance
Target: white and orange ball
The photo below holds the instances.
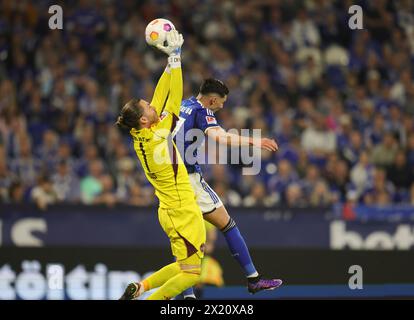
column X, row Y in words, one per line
column 156, row 31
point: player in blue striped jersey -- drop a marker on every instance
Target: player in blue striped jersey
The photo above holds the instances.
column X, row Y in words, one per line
column 198, row 113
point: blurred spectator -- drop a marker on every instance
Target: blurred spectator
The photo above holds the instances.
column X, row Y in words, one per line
column 125, row 179
column 106, row 195
column 259, row 197
column 311, row 179
column 362, row 173
column 400, row 173
column 284, row 177
column 48, row 149
column 16, row 193
column 138, row 196
column 374, row 134
column 43, row 193
column 380, row 190
column 66, row 184
column 25, row 166
column 65, row 154
column 353, row 149
column 348, row 212
column 304, row 30
column 321, row 196
column 302, row 163
column 309, row 75
column 89, row 153
column 384, row 153
column 339, row 181
column 317, row 139
column 91, row 186
column 294, row 197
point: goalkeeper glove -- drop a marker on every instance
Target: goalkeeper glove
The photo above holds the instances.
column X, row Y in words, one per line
column 174, row 40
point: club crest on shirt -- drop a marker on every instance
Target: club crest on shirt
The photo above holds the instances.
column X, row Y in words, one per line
column 163, row 115
column 211, row 120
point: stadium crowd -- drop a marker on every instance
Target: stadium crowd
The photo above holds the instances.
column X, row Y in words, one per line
column 339, row 102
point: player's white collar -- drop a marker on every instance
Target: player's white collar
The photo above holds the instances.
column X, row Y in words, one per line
column 199, row 102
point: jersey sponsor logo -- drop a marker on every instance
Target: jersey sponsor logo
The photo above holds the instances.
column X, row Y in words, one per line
column 211, row 120
column 141, row 139
column 186, row 110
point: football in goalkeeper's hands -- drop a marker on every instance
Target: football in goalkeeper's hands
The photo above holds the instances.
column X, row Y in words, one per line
column 156, row 31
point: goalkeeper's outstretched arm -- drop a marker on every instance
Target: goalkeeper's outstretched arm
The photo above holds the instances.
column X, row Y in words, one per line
column 176, row 86
column 175, row 41
column 162, row 90
column 169, row 90
column 173, row 49
column 175, row 89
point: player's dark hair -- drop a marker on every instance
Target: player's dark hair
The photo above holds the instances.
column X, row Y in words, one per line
column 130, row 115
column 214, row 86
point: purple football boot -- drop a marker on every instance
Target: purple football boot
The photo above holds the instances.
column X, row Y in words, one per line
column 260, row 284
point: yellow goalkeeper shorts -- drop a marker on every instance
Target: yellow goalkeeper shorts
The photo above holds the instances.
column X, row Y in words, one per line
column 185, row 228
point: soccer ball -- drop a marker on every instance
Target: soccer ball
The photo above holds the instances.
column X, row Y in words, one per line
column 156, row 31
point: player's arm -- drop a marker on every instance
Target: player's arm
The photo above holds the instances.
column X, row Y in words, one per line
column 230, row 139
column 206, row 121
column 172, row 108
column 176, row 87
column 175, row 91
column 175, row 41
column 161, row 91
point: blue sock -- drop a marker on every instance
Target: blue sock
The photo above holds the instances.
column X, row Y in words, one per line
column 238, row 248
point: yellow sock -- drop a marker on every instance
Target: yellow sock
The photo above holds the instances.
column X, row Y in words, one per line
column 157, row 279
column 188, row 276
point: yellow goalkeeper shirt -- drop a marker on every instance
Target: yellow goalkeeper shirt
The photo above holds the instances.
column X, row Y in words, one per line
column 156, row 150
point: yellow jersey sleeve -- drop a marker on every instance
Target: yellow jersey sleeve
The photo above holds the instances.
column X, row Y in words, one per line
column 171, row 114
column 162, row 90
column 176, row 92
column 169, row 91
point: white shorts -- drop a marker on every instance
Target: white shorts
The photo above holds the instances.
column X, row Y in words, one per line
column 206, row 198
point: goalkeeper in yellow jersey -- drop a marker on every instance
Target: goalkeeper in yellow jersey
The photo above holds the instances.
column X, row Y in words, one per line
column 151, row 125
